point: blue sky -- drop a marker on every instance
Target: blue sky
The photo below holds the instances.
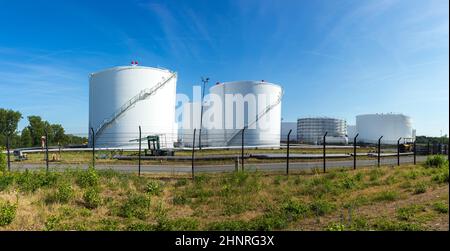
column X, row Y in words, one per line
column 333, row 58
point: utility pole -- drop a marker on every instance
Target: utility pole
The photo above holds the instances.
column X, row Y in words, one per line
column 205, row 81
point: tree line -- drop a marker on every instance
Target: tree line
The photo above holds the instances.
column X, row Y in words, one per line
column 31, row 135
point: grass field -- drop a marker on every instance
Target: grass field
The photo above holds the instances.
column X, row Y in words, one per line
column 389, row 198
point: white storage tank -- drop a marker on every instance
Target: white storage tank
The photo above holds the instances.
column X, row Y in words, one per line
column 123, row 98
column 255, row 105
column 391, row 126
column 311, row 130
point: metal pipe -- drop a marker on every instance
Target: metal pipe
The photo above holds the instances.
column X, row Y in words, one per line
column 287, row 152
column 93, row 147
column 46, row 150
column 398, row 151
column 354, row 151
column 205, row 81
column 193, row 152
column 140, row 140
column 379, row 150
column 242, row 149
column 8, row 150
column 324, row 151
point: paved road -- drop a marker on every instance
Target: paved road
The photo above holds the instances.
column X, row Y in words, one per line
column 183, row 169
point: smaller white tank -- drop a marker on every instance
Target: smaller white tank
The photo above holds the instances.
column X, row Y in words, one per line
column 391, row 126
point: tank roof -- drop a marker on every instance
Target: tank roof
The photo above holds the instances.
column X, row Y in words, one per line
column 120, row 68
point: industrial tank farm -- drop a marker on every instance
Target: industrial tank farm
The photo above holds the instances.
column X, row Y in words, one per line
column 391, row 126
column 262, row 118
column 123, row 98
column 312, row 130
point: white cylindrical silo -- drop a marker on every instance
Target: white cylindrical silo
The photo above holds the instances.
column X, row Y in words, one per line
column 255, row 105
column 312, row 129
column 123, row 98
column 391, row 126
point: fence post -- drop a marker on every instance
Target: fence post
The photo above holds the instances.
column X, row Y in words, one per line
column 46, row 150
column 242, row 150
column 193, row 151
column 379, row 150
column 7, row 152
column 354, row 151
column 415, row 152
column 236, row 164
column 324, row 152
column 398, row 151
column 93, row 147
column 428, row 148
column 140, row 141
column 287, row 152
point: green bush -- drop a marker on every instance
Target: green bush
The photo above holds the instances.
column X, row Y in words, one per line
column 335, row 227
column 7, row 213
column 295, row 209
column 92, row 198
column 181, row 224
column 3, row 161
column 408, row 213
column 65, row 193
column 153, row 187
column 436, row 161
column 136, row 205
column 229, row 225
column 441, row 207
column 181, row 182
column 269, row 221
column 180, row 200
column 6, row 179
column 88, row 178
column 321, row 207
column 385, row 196
column 420, row 188
column 31, row 181
column 441, row 176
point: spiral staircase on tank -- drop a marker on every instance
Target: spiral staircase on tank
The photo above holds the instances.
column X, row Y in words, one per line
column 266, row 110
column 142, row 95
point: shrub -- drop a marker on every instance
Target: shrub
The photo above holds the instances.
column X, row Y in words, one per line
column 65, row 193
column 441, row 207
column 181, row 224
column 229, row 225
column 7, row 213
column 386, row 196
column 136, row 205
column 181, row 182
column 420, row 188
column 108, row 225
column 436, row 161
column 153, row 187
column 3, row 162
column 88, row 178
column 52, row 223
column 31, row 181
column 335, row 227
column 295, row 209
column 407, row 213
column 269, row 221
column 6, row 180
column 321, row 207
column 441, row 176
column 180, row 200
column 92, row 198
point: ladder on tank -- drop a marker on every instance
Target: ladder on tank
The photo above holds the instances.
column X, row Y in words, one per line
column 142, row 95
column 259, row 116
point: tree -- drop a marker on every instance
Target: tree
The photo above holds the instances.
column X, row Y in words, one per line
column 25, row 138
column 37, row 129
column 9, row 120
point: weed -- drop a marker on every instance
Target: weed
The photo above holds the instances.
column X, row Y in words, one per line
column 180, row 200
column 335, row 227
column 441, row 207
column 321, row 207
column 408, row 213
column 7, row 213
column 295, row 209
column 88, row 178
column 420, row 188
column 52, row 223
column 153, row 187
column 385, row 196
column 6, row 180
column 436, row 161
column 181, row 182
column 229, row 225
column 108, row 225
column 92, row 198
column 136, row 205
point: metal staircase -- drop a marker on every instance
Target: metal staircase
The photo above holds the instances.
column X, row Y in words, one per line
column 259, row 116
column 142, row 95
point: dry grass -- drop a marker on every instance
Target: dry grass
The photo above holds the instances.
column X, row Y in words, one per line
column 363, row 199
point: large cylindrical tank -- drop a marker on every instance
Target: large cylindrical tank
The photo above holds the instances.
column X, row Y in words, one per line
column 312, row 130
column 255, row 105
column 391, row 126
column 123, row 98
